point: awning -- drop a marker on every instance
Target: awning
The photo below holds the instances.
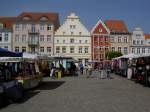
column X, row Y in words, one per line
column 6, row 53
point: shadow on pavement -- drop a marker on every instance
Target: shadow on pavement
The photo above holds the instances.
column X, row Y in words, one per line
column 49, row 85
column 28, row 95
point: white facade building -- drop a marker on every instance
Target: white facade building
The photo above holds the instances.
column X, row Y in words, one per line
column 138, row 43
column 72, row 39
column 34, row 32
column 5, row 38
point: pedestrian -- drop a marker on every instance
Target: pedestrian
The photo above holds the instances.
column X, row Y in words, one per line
column 85, row 69
column 52, row 70
column 89, row 70
column 108, row 70
column 81, row 68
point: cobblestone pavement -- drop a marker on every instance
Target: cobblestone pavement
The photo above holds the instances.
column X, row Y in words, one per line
column 81, row 94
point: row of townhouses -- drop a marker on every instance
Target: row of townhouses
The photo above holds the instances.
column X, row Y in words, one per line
column 41, row 33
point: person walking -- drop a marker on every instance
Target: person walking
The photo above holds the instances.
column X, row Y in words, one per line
column 89, row 70
column 108, row 70
column 81, row 68
column 52, row 70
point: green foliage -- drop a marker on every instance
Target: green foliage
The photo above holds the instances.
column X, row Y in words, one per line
column 113, row 54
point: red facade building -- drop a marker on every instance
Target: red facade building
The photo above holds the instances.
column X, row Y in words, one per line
column 100, row 41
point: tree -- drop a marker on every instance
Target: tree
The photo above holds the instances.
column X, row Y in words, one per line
column 113, row 54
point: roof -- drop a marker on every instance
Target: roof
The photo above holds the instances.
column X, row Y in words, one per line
column 36, row 16
column 100, row 28
column 7, row 21
column 117, row 26
column 147, row 36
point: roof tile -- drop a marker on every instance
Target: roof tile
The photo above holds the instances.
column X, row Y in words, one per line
column 116, row 26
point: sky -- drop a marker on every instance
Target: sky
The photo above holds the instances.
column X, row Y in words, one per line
column 135, row 13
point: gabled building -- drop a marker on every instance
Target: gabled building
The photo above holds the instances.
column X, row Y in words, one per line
column 6, row 32
column 120, row 36
column 100, row 41
column 72, row 39
column 33, row 32
column 138, row 43
column 147, row 42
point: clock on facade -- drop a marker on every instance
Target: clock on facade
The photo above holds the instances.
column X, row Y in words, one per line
column 100, row 30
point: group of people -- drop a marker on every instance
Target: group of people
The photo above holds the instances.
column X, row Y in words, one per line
column 83, row 69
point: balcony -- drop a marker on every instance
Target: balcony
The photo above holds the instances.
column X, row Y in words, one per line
column 33, row 31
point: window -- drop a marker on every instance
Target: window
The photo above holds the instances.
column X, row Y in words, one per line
column 86, row 41
column 72, row 26
column 106, row 49
column 125, row 39
column 6, row 47
column 86, row 49
column 43, row 18
column 63, row 49
column 0, row 37
column 16, row 49
column 63, row 33
column 100, row 48
column 125, row 50
column 112, row 39
column 106, row 39
column 71, row 40
column 71, row 49
column 138, row 50
column 133, row 50
column 80, row 49
column 41, row 49
column 119, row 39
column 80, row 41
column 143, row 50
column 80, row 33
column 17, row 27
column 24, row 26
column 49, row 27
column 113, row 49
column 138, row 42
column 42, row 38
column 134, row 42
column 23, row 49
column 148, row 50
column 57, row 41
column 48, row 38
column 63, row 41
column 71, row 33
column 16, row 38
column 6, row 37
column 141, row 42
column 57, row 49
column 23, row 38
column 86, row 61
column 49, row 49
column 1, row 25
column 41, row 26
column 119, row 49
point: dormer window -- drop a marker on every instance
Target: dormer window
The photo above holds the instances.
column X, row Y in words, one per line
column 1, row 25
column 43, row 18
column 26, row 18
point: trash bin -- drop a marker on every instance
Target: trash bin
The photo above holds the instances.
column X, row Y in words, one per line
column 59, row 74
